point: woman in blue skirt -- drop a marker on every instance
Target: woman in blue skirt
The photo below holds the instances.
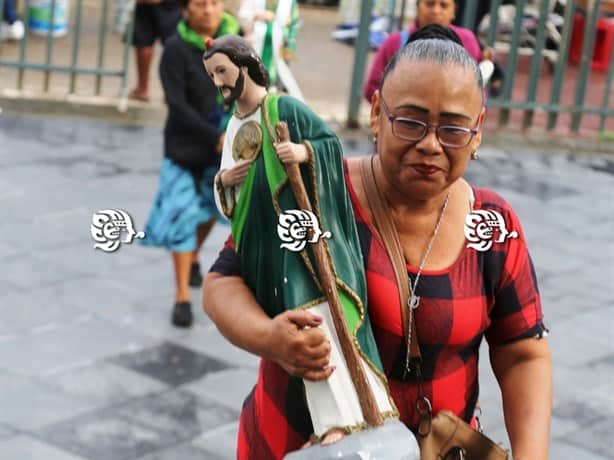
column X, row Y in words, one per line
column 184, row 210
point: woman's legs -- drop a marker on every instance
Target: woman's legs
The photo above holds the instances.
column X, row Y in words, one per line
column 182, row 311
column 202, row 231
column 182, row 263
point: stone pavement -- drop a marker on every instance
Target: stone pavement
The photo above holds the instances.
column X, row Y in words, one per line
column 90, row 367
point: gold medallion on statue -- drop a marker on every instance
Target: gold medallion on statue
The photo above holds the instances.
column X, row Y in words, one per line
column 247, row 142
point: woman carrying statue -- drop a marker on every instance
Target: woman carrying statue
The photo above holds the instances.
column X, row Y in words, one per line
column 467, row 266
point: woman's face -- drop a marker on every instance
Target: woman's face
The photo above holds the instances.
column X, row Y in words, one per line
column 204, row 16
column 435, row 12
column 436, row 94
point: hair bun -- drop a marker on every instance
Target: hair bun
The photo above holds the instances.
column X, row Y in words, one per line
column 435, row 31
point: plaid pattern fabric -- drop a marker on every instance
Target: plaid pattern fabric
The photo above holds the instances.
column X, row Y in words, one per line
column 490, row 294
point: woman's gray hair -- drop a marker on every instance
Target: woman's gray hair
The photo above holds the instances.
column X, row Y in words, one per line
column 441, row 51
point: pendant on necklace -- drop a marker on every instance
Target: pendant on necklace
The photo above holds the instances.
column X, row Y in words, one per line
column 414, row 301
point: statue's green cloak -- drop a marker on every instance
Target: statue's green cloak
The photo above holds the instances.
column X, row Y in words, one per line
column 282, row 279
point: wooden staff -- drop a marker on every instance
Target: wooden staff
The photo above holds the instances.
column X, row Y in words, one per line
column 353, row 360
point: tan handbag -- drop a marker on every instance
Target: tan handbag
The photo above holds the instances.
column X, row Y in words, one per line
column 443, row 436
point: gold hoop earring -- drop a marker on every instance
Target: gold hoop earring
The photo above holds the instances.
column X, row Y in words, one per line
column 474, row 155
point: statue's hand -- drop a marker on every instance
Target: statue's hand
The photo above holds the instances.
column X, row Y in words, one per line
column 288, row 152
column 265, row 15
column 236, row 174
column 299, row 346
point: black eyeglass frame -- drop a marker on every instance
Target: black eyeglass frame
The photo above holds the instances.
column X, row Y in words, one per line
column 392, row 118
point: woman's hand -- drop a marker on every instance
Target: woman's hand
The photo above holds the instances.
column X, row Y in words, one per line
column 299, row 346
column 292, row 339
column 288, row 152
column 236, row 174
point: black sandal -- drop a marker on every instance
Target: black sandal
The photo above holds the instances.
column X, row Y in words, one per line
column 182, row 314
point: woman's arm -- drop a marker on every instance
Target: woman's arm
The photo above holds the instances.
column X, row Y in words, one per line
column 524, row 372
column 291, row 339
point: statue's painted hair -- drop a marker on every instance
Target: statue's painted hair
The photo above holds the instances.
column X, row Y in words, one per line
column 241, row 54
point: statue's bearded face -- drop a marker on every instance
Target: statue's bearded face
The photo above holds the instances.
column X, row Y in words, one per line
column 226, row 76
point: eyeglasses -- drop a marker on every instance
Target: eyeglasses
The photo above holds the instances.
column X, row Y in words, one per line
column 415, row 130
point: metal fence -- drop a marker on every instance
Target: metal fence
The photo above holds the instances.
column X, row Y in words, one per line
column 79, row 59
column 541, row 86
column 557, row 59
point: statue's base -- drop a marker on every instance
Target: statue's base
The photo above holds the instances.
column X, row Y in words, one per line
column 391, row 441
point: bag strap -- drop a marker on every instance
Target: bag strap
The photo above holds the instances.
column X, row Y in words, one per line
column 382, row 220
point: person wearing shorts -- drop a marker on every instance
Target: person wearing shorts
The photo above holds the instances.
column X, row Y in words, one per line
column 153, row 20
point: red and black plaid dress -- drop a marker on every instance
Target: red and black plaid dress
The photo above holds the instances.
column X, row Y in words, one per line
column 492, row 293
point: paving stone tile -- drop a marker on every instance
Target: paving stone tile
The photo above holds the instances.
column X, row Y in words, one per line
column 26, row 448
column 571, row 381
column 595, row 325
column 93, row 294
column 522, row 181
column 547, row 258
column 6, row 432
column 221, row 441
column 32, row 173
column 574, row 350
column 10, row 251
column 595, row 438
column 92, row 262
column 61, row 346
column 105, row 384
column 152, row 315
column 28, row 404
column 210, row 341
column 563, row 450
column 228, row 387
column 170, row 363
column 177, row 413
column 103, row 435
column 183, row 452
column 607, row 361
column 578, row 411
column 28, row 272
column 151, row 279
column 600, row 398
column 564, row 307
column 28, row 311
column 561, row 427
